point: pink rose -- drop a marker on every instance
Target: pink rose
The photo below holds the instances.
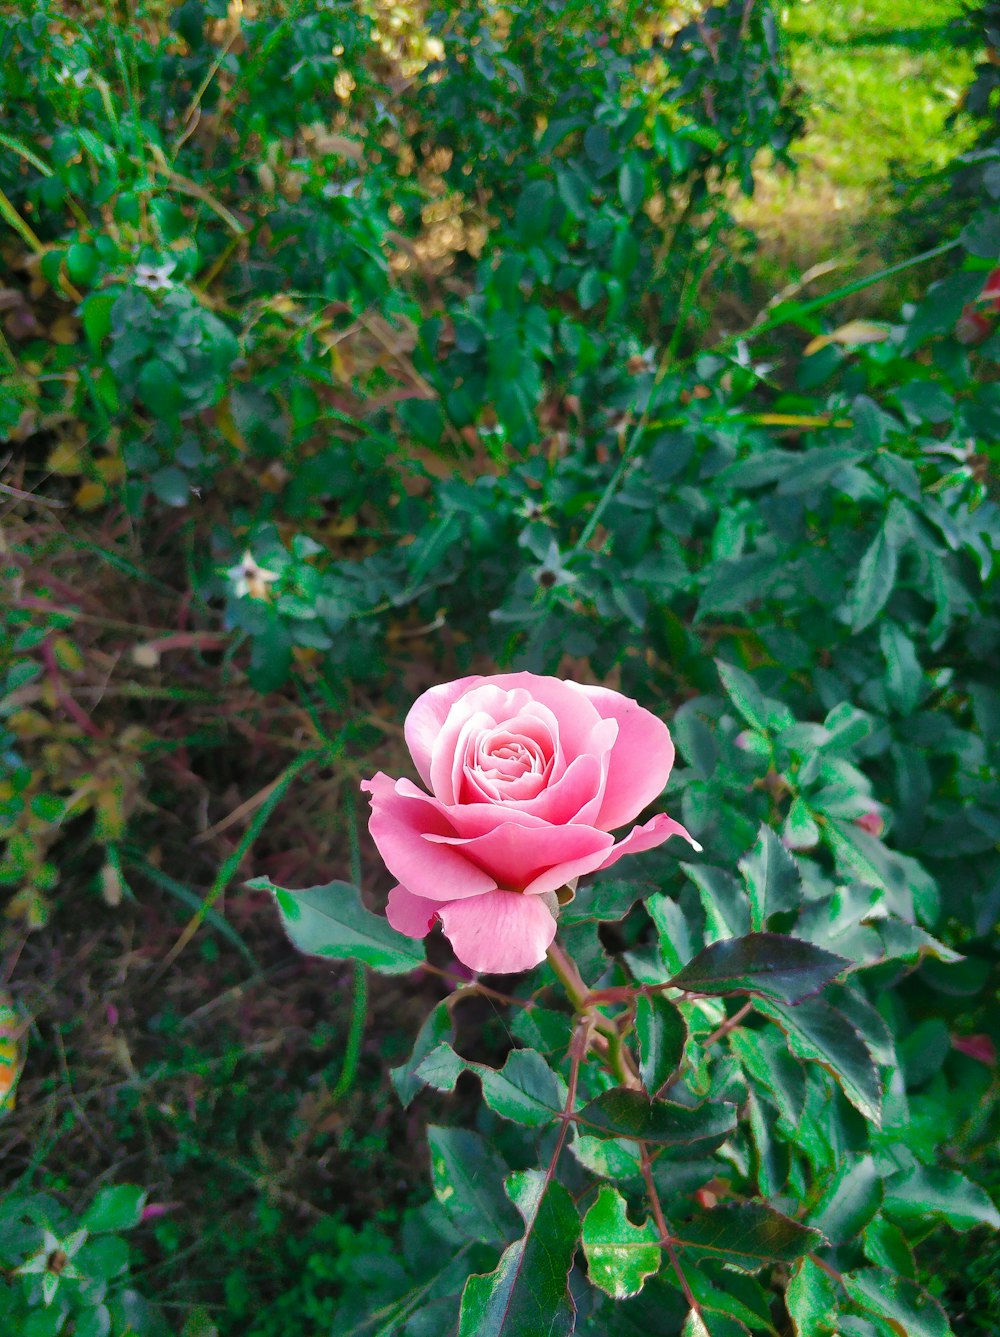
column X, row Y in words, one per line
column 527, row 777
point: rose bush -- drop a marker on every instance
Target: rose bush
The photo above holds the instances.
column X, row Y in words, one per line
column 528, row 777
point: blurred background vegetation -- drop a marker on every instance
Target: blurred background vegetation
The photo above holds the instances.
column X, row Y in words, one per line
column 348, row 347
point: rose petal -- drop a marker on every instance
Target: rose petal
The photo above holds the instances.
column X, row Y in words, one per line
column 647, row 837
column 499, row 933
column 426, row 718
column 407, row 826
column 409, row 914
column 534, row 858
column 641, row 759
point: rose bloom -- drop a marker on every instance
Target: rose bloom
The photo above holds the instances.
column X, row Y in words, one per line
column 528, row 776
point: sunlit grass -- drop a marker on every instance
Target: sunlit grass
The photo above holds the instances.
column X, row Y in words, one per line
column 878, row 81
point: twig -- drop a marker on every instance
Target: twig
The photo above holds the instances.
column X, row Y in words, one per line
column 666, row 1239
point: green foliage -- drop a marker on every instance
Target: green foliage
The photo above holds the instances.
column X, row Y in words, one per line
column 358, row 358
column 70, row 1274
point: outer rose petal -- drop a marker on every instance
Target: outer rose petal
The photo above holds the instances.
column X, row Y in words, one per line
column 400, row 824
column 427, row 716
column 648, row 836
column 641, row 759
column 409, row 914
column 499, row 933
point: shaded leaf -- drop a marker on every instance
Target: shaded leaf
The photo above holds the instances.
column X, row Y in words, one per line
column 746, row 1236
column 874, row 584
column 765, row 1058
column 437, row 1029
column 811, row 1301
column 849, row 1201
column 622, row 1113
column 467, row 1176
column 821, row 1034
column 661, row 1032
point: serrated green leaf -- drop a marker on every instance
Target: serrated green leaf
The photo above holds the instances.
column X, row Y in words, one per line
column 820, row 1034
column 724, row 900
column 765, row 1058
column 604, row 900
column 769, row 965
column 331, row 921
column 772, row 879
column 528, row 1291
column 673, row 929
column 746, row 1236
column 467, row 1176
column 620, row 1255
column 525, row 1090
column 850, row 1200
column 662, row 1033
column 438, row 1028
column 904, row 1305
column 914, row 1195
column 623, row 1113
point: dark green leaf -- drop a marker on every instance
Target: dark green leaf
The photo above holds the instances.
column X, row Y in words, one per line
column 874, row 584
column 772, row 878
column 765, row 1058
column 606, row 899
column 632, row 184
column 915, row 1195
column 622, row 1113
column 662, row 1033
column 528, row 1291
column 746, row 1236
column 811, row 1301
column 821, row 1034
column 468, row 1183
column 674, row 932
column 770, row 965
column 331, row 921
column 724, row 900
column 851, row 1199
column 745, row 695
column 902, row 1303
column 620, row 1255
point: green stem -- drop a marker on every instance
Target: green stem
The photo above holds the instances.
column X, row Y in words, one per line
column 355, row 1034
column 565, row 970
column 228, row 870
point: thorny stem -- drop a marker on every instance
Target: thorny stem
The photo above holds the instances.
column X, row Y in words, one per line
column 666, row 1239
column 578, row 1050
